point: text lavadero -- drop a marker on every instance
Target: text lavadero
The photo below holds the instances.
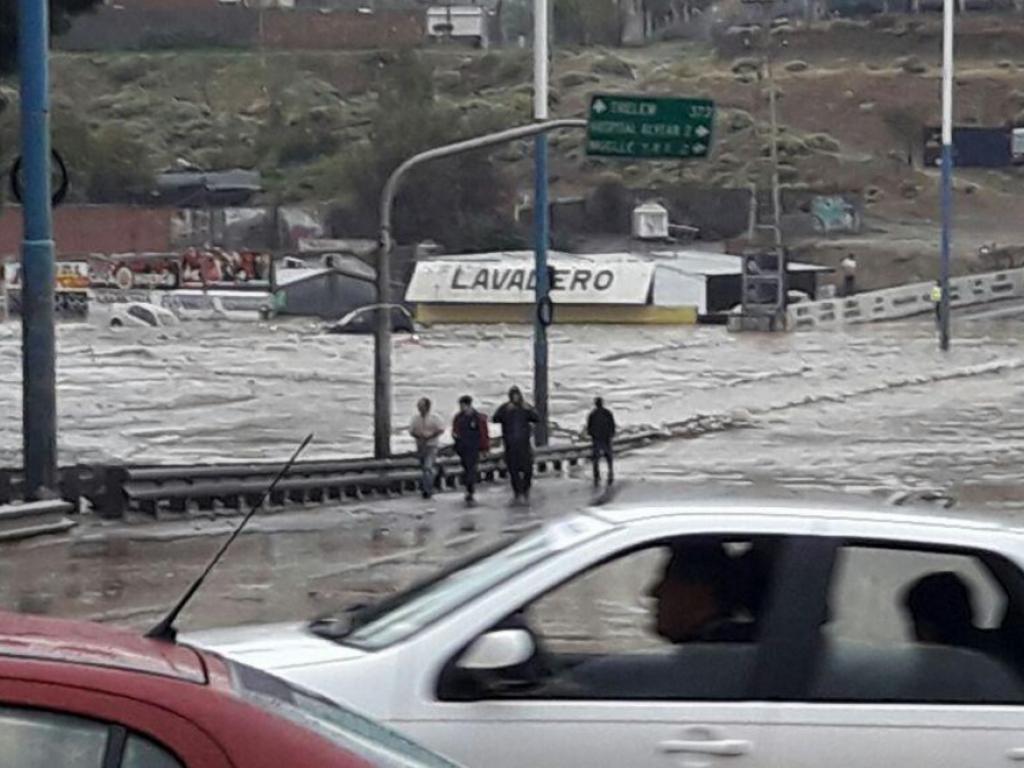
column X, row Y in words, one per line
column 525, row 279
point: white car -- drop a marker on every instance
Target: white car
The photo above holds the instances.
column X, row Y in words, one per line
column 547, row 651
column 139, row 314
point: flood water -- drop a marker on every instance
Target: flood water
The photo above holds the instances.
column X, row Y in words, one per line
column 875, row 410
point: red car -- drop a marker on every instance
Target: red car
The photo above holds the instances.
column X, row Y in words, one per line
column 83, row 695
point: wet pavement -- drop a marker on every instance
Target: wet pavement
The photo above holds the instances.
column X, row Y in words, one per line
column 872, row 410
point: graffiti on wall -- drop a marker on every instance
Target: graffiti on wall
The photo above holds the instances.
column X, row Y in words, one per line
column 834, row 213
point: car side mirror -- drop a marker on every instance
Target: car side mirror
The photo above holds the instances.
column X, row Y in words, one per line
column 498, row 649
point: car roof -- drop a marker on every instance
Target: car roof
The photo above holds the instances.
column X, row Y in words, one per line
column 88, row 643
column 649, row 500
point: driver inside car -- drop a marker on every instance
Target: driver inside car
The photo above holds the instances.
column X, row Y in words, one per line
column 698, row 597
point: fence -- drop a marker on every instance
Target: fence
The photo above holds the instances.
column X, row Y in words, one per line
column 906, row 300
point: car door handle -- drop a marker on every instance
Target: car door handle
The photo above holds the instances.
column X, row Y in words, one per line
column 1016, row 754
column 722, row 747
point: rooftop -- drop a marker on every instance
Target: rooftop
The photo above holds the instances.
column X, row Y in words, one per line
column 685, row 260
column 631, row 502
column 88, row 643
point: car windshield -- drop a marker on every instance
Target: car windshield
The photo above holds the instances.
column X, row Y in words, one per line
column 402, row 616
column 358, row 734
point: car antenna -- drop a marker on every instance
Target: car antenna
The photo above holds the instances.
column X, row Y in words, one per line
column 165, row 629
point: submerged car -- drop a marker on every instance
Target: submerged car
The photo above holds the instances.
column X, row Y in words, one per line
column 593, row 642
column 139, row 314
column 89, row 696
column 362, row 321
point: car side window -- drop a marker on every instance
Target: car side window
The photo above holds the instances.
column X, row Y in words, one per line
column 140, row 752
column 143, row 313
column 676, row 620
column 39, row 739
column 910, row 625
column 36, row 738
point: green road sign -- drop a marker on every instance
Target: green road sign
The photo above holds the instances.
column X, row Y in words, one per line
column 649, row 126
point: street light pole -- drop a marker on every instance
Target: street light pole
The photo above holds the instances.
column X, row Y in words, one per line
column 540, row 218
column 38, row 343
column 382, row 329
column 947, row 169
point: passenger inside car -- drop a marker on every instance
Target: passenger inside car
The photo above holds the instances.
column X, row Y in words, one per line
column 941, row 608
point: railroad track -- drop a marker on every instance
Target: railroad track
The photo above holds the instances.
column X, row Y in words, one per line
column 112, row 491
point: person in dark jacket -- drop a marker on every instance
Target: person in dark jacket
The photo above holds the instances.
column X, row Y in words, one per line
column 601, row 429
column 469, row 430
column 517, row 419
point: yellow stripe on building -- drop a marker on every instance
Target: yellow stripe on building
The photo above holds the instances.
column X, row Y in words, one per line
column 576, row 314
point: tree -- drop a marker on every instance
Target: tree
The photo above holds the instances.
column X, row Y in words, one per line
column 588, row 22
column 906, row 127
column 455, row 200
column 61, row 12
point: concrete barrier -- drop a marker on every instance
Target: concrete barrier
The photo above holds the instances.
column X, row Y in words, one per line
column 906, row 300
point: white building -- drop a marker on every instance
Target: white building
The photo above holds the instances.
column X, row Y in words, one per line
column 660, row 287
column 466, row 23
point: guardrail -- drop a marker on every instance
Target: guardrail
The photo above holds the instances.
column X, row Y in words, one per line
column 111, row 491
column 20, row 521
column 906, row 300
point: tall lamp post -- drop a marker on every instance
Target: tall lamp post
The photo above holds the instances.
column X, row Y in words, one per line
column 947, row 168
column 38, row 343
column 540, row 219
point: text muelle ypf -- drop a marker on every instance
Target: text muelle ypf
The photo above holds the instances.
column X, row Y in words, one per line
column 525, row 279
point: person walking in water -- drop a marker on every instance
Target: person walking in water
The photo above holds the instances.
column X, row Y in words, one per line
column 849, row 269
column 426, row 429
column 469, row 430
column 517, row 418
column 936, row 297
column 601, row 429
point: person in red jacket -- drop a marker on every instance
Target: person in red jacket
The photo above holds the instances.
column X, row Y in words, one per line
column 469, row 429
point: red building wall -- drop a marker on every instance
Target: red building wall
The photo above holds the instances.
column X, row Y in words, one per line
column 83, row 229
column 344, row 31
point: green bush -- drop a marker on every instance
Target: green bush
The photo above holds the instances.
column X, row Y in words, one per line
column 128, row 69
column 822, row 142
column 740, row 120
column 613, row 66
column 746, row 65
column 574, row 79
column 912, row 65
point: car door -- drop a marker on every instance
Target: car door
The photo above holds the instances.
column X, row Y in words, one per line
column 880, row 688
column 622, row 706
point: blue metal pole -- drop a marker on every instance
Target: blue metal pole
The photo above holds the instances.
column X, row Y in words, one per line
column 541, row 287
column 39, row 399
column 947, row 212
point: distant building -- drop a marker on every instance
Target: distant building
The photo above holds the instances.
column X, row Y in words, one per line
column 206, row 188
column 465, row 23
column 670, row 286
column 328, row 291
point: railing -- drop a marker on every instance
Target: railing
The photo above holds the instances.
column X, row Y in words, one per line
column 114, row 490
column 906, row 300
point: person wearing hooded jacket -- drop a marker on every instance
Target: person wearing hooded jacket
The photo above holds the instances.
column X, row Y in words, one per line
column 517, row 418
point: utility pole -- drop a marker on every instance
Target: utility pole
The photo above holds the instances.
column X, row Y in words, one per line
column 38, row 343
column 382, row 329
column 947, row 168
column 540, row 219
column 773, row 143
